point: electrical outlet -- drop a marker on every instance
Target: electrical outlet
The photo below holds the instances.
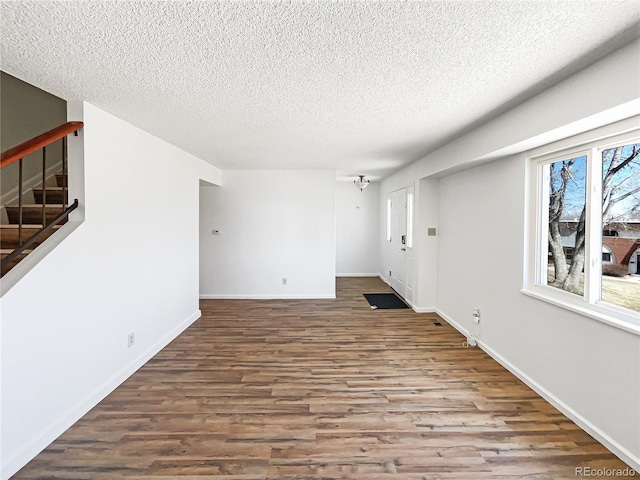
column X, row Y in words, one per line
column 476, row 315
column 131, row 339
column 284, row 281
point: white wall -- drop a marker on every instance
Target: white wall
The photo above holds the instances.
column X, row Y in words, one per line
column 590, row 369
column 132, row 266
column 357, row 226
column 427, row 246
column 273, row 225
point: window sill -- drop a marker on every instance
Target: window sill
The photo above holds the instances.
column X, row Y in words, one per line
column 622, row 320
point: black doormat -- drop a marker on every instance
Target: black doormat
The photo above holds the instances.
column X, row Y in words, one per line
column 384, row 301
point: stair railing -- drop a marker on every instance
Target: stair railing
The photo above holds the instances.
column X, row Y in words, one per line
column 17, row 154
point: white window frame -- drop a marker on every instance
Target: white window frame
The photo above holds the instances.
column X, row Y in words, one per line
column 590, row 144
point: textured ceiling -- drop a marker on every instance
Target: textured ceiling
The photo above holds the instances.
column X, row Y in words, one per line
column 359, row 87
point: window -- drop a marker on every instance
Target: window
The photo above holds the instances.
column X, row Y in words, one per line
column 607, row 256
column 586, row 211
column 409, row 220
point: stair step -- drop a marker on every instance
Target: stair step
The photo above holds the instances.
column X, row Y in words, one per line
column 54, row 195
column 7, row 251
column 61, row 180
column 32, row 213
column 9, row 234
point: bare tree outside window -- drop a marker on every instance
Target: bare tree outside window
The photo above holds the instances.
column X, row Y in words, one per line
column 567, row 216
column 567, row 210
column 620, row 184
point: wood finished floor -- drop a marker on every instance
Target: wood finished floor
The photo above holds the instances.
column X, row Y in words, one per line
column 320, row 389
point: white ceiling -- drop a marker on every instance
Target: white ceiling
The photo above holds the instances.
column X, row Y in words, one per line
column 359, row 87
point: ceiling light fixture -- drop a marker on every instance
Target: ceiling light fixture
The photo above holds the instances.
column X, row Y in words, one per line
column 361, row 183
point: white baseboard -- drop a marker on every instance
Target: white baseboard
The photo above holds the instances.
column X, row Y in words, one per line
column 452, row 322
column 424, row 309
column 357, row 275
column 298, row 296
column 26, row 453
column 617, row 449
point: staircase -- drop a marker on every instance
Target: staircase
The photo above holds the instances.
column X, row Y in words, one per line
column 12, row 235
column 30, row 224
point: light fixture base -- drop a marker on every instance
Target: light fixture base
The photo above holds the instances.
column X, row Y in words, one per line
column 360, row 182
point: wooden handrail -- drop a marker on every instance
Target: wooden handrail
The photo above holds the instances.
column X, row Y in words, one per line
column 16, row 153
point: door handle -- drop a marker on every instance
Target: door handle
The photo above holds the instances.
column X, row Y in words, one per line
column 403, row 239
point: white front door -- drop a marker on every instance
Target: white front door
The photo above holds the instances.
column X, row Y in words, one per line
column 398, row 242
